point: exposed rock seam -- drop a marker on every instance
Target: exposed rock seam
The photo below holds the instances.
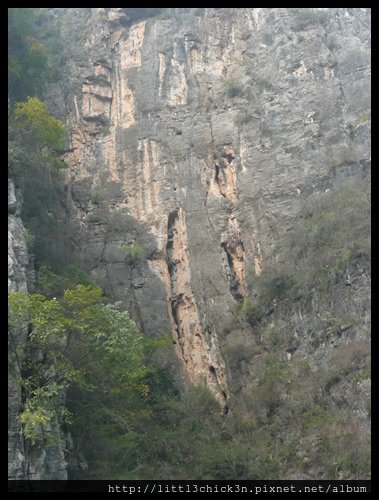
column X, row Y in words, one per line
column 196, row 349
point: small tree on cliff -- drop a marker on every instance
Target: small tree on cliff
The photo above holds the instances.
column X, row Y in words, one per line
column 75, row 340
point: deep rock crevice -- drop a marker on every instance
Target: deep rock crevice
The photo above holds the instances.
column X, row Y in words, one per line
column 197, row 351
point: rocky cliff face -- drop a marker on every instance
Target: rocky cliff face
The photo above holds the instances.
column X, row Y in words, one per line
column 198, row 134
column 25, row 461
column 18, row 263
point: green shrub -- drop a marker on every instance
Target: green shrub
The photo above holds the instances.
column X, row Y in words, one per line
column 251, row 311
column 333, row 231
column 99, row 195
column 343, row 156
column 274, row 283
column 270, row 392
column 40, row 412
column 233, row 88
column 76, row 275
column 238, row 352
column 30, row 239
column 280, row 337
column 133, row 252
column 231, row 461
column 52, row 284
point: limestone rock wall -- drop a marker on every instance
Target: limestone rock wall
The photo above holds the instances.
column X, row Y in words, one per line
column 198, row 134
column 18, row 263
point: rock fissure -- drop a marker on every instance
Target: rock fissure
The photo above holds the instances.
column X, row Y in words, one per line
column 201, row 361
column 235, row 258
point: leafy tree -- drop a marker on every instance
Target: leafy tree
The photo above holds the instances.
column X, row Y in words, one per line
column 27, row 56
column 133, row 252
column 37, row 126
column 53, row 284
column 34, row 137
column 75, row 340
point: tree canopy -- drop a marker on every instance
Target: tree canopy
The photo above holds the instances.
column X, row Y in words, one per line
column 37, row 126
column 76, row 340
column 28, row 65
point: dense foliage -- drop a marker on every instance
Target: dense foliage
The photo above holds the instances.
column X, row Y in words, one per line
column 35, row 137
column 37, row 127
column 27, row 58
column 122, row 404
column 31, row 57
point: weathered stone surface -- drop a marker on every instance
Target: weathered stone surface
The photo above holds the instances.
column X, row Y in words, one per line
column 17, row 281
column 198, row 135
column 24, row 461
column 228, row 118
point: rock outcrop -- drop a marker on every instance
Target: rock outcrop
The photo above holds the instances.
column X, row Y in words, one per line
column 18, row 263
column 198, row 134
column 25, row 461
